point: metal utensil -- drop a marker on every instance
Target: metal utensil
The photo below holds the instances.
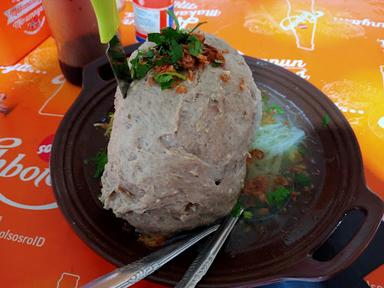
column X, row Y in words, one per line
column 108, row 22
column 119, row 63
column 134, row 272
column 204, row 260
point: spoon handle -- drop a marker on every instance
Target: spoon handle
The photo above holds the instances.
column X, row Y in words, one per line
column 134, row 272
column 203, row 261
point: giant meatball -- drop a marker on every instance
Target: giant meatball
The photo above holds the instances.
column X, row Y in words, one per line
column 177, row 160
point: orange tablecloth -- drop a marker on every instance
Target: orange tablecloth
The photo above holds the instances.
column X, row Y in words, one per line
column 336, row 45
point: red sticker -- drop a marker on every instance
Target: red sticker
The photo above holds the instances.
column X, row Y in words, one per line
column 44, row 149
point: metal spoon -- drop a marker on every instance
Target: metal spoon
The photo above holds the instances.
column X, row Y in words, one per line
column 134, row 272
column 204, row 260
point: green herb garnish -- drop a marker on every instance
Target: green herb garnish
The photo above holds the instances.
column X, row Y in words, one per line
column 302, row 180
column 100, row 159
column 195, row 46
column 236, row 210
column 176, row 51
column 141, row 64
column 175, row 55
column 197, row 26
column 278, row 197
column 149, row 53
column 175, row 74
column 326, row 120
column 166, row 79
column 302, row 150
column 156, row 38
column 276, row 108
column 264, row 98
column 248, row 215
column 173, row 16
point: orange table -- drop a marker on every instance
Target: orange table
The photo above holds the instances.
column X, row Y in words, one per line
column 336, row 45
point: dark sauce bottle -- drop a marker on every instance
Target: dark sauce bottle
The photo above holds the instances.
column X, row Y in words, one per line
column 74, row 28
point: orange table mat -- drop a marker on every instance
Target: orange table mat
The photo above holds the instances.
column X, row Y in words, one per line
column 336, row 45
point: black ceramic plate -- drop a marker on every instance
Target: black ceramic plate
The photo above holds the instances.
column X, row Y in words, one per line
column 286, row 247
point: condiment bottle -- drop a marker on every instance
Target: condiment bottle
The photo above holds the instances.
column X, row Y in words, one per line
column 151, row 16
column 74, row 27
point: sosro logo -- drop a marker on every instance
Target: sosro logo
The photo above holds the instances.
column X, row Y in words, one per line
column 22, row 239
column 44, row 150
column 15, row 168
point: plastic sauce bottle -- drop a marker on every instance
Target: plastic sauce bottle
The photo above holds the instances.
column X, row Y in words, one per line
column 74, row 28
column 23, row 27
column 151, row 16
